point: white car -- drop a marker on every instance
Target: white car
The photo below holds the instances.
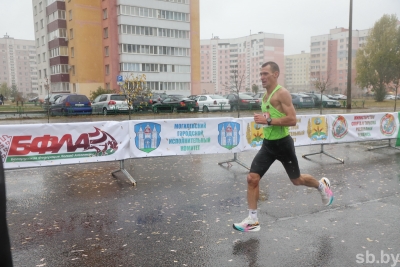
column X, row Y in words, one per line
column 391, row 97
column 339, row 97
column 213, row 103
column 109, row 103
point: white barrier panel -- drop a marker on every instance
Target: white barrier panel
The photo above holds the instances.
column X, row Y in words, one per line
column 363, row 127
column 35, row 145
column 185, row 136
column 309, row 130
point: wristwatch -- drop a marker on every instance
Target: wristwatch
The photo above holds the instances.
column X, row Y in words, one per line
column 269, row 120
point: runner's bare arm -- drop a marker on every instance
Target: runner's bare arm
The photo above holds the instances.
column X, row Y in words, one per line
column 287, row 106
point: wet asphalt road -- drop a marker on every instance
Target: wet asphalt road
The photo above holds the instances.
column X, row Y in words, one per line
column 182, row 209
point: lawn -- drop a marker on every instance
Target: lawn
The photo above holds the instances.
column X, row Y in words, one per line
column 12, row 107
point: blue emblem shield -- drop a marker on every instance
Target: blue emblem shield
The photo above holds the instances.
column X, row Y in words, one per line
column 229, row 134
column 147, row 136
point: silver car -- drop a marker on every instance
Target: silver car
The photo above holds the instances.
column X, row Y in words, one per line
column 213, row 103
column 109, row 103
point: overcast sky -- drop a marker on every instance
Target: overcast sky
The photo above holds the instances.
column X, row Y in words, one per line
column 297, row 20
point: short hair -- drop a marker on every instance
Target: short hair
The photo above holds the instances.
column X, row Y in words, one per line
column 273, row 65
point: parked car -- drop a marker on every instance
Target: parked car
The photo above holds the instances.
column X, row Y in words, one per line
column 248, row 93
column 259, row 96
column 33, row 99
column 193, row 97
column 302, row 101
column 390, row 97
column 243, row 102
column 142, row 103
column 325, row 101
column 71, row 104
column 50, row 99
column 176, row 104
column 109, row 103
column 339, row 97
column 213, row 103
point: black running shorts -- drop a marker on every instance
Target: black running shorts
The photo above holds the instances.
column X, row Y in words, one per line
column 271, row 150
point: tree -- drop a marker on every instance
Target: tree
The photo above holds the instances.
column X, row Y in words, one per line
column 321, row 83
column 5, row 90
column 376, row 62
column 236, row 81
column 135, row 87
column 100, row 91
column 254, row 88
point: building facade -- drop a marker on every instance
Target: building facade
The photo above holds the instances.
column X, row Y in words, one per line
column 225, row 60
column 51, row 42
column 90, row 43
column 329, row 59
column 297, row 75
column 18, row 65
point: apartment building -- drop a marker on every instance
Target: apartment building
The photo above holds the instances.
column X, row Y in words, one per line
column 18, row 64
column 244, row 55
column 91, row 43
column 297, row 72
column 329, row 58
column 51, row 42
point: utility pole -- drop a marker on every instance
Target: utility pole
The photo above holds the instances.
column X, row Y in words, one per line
column 47, row 87
column 349, row 56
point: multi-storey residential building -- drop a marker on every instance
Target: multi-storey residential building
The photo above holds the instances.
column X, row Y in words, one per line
column 329, row 58
column 297, row 75
column 222, row 58
column 96, row 41
column 18, row 64
column 51, row 46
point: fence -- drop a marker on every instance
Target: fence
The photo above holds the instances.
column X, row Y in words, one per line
column 36, row 145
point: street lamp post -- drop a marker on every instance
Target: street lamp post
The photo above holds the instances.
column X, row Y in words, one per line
column 349, row 56
column 47, row 87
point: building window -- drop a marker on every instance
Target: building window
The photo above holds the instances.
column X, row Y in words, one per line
column 108, row 86
column 44, row 56
column 35, row 9
column 107, row 69
column 72, row 52
column 43, row 41
column 105, row 33
column 106, row 51
column 105, row 14
column 73, row 69
column 70, row 14
column 71, row 33
column 37, row 42
column 74, row 87
column 40, row 7
column 36, row 26
column 41, row 24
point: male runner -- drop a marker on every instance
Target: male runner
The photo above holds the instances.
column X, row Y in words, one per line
column 278, row 114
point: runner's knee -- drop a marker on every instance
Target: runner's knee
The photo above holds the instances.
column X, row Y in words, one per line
column 253, row 179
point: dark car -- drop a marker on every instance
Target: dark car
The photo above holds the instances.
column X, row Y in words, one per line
column 142, row 103
column 50, row 99
column 176, row 104
column 243, row 102
column 71, row 104
column 302, row 101
column 326, row 101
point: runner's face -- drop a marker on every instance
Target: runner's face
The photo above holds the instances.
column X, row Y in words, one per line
column 267, row 76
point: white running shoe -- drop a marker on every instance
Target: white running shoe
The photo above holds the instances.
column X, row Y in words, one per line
column 326, row 192
column 247, row 225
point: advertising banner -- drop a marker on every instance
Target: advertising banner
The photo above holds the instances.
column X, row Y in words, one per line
column 363, row 127
column 185, row 136
column 309, row 130
column 36, row 145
